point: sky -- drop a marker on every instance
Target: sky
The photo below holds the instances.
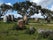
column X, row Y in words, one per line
column 44, row 3
column 11, row 1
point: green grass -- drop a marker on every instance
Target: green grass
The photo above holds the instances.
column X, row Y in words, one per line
column 6, row 32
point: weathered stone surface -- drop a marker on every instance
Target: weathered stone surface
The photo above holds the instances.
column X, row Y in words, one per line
column 36, row 19
column 10, row 18
column 45, row 33
column 20, row 23
column 4, row 18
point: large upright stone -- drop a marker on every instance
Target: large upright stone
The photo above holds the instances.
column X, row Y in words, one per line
column 48, row 19
column 36, row 20
column 21, row 24
column 10, row 18
column 4, row 18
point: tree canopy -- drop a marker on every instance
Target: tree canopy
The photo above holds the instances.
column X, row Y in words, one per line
column 27, row 7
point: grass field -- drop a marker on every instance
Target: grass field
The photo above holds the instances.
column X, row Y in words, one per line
column 6, row 32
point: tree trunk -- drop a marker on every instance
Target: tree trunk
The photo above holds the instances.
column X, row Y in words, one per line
column 25, row 18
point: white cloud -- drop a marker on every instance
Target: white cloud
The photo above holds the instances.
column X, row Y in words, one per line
column 36, row 1
column 51, row 8
column 37, row 16
column 10, row 12
column 43, row 3
column 8, row 4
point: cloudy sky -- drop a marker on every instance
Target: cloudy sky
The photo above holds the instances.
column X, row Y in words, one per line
column 44, row 3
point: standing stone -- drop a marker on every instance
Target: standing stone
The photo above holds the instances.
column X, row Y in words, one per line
column 36, row 19
column 9, row 17
column 5, row 19
column 48, row 19
column 20, row 24
column 12, row 17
